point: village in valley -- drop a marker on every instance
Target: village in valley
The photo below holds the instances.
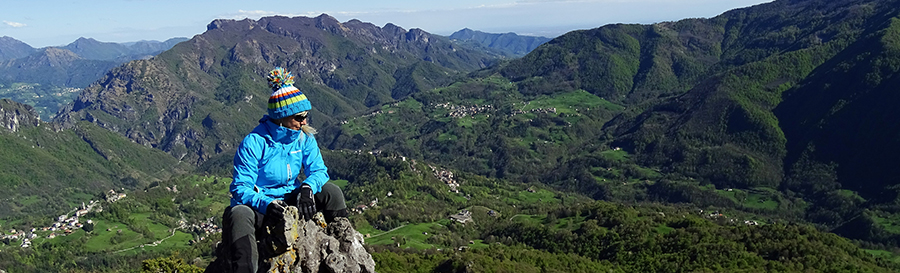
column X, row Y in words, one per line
column 462, row 111
column 63, row 225
column 75, row 219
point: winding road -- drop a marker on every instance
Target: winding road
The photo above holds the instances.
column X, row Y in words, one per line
column 181, row 226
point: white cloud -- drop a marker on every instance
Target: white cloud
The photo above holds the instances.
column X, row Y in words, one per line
column 14, row 24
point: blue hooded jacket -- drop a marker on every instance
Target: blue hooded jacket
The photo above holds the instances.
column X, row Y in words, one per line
column 268, row 162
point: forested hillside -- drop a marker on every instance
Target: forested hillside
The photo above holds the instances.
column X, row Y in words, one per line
column 493, row 225
column 784, row 104
column 47, row 170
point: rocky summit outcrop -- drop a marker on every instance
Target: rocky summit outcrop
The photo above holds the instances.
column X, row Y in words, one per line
column 308, row 246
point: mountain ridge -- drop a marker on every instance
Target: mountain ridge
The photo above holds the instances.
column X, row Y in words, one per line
column 92, row 49
column 10, row 48
column 509, row 44
column 54, row 66
column 181, row 99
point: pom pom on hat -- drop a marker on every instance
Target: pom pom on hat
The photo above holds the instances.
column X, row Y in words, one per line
column 286, row 100
column 279, row 78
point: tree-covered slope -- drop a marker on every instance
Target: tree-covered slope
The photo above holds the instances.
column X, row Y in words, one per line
column 44, row 169
column 724, row 127
column 525, row 227
column 808, row 115
column 649, row 76
column 786, row 102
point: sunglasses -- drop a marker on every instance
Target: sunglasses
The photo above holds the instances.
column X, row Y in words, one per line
column 299, row 118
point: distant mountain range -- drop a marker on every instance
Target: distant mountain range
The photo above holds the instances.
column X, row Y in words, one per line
column 53, row 66
column 41, row 77
column 91, row 49
column 95, row 50
column 505, row 44
column 74, row 65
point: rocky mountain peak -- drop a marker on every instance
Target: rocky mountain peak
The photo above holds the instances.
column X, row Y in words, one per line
column 393, row 30
column 53, row 57
column 91, row 49
column 82, row 40
column 326, row 21
column 7, row 39
column 56, row 52
column 417, row 35
column 230, row 24
column 464, row 33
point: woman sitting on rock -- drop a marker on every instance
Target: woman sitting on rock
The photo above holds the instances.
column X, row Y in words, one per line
column 266, row 169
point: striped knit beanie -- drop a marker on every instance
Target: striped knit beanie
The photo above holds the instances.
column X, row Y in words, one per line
column 286, row 100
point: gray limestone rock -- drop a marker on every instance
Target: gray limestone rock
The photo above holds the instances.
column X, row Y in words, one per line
column 305, row 246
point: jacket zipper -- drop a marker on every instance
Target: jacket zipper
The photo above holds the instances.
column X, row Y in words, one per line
column 289, row 173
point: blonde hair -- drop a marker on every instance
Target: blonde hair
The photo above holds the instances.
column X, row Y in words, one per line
column 309, row 130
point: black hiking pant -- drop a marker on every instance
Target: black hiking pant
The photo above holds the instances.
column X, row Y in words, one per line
column 242, row 225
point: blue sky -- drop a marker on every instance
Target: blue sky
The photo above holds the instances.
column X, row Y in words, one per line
column 59, row 22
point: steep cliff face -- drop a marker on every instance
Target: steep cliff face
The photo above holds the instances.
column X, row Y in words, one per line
column 203, row 95
column 14, row 116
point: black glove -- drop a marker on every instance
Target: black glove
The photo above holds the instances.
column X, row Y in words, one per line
column 302, row 197
column 275, row 209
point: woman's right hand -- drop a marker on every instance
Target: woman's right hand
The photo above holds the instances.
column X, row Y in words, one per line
column 276, row 209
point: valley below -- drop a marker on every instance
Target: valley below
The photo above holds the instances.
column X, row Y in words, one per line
column 759, row 140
